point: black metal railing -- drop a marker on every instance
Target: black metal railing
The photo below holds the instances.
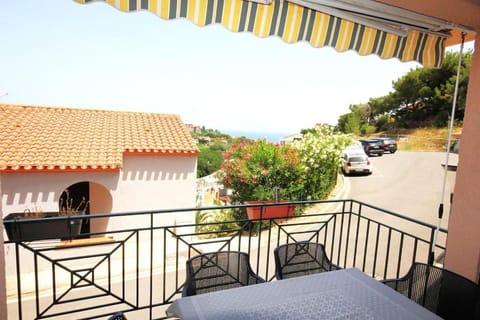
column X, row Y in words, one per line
column 138, row 264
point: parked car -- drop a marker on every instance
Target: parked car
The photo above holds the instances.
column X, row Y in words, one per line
column 372, row 147
column 356, row 147
column 355, row 163
column 387, row 144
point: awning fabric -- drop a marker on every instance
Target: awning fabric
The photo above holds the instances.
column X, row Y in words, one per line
column 295, row 23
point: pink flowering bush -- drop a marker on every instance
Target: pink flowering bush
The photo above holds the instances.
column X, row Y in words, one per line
column 304, row 170
column 253, row 169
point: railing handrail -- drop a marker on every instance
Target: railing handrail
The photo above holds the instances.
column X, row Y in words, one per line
column 398, row 215
column 194, row 209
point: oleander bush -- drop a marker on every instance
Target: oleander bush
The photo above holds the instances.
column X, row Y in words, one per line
column 303, row 170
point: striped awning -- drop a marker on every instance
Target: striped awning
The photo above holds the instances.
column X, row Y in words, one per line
column 293, row 23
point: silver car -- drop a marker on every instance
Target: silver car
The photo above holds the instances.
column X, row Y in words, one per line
column 356, row 163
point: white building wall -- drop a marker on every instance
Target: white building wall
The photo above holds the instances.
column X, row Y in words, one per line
column 41, row 191
column 145, row 183
column 156, row 183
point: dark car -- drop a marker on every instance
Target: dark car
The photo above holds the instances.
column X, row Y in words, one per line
column 372, row 147
column 387, row 144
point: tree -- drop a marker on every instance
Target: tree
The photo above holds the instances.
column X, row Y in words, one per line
column 422, row 97
column 209, row 160
column 425, row 96
column 353, row 121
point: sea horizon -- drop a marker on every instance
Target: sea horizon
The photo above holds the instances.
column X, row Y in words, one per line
column 273, row 137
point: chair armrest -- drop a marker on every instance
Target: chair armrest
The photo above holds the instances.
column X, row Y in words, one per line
column 185, row 290
column 259, row 279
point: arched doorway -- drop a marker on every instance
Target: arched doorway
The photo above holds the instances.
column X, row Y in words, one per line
column 100, row 203
column 88, row 198
column 76, row 200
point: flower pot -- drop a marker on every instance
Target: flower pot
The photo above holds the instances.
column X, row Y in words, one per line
column 20, row 227
column 270, row 212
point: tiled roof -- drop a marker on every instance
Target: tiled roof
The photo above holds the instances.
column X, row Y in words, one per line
column 48, row 138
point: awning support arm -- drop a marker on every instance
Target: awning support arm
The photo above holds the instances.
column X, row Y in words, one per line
column 447, row 154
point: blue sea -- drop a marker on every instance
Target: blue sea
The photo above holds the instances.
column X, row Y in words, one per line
column 269, row 136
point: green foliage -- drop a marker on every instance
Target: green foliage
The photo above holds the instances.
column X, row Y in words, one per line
column 367, row 129
column 384, row 122
column 212, row 146
column 349, row 123
column 320, row 153
column 219, row 146
column 253, row 169
column 421, row 98
column 211, row 133
column 209, row 160
column 307, row 130
column 216, row 223
column 305, row 169
column 352, row 122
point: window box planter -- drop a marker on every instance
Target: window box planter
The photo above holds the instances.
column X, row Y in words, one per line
column 270, row 211
column 47, row 225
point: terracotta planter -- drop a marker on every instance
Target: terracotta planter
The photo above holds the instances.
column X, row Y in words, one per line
column 18, row 228
column 270, row 212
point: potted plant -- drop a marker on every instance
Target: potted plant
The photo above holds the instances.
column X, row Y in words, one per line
column 260, row 172
column 36, row 224
column 270, row 209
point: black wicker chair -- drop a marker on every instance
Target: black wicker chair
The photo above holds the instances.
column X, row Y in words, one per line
column 118, row 316
column 301, row 258
column 218, row 271
column 443, row 292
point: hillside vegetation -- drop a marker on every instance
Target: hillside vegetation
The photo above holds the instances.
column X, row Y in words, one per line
column 421, row 139
column 422, row 98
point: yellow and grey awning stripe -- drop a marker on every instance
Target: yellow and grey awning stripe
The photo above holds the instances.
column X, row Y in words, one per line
column 295, row 23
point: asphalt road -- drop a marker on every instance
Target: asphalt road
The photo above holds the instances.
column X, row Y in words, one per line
column 408, row 183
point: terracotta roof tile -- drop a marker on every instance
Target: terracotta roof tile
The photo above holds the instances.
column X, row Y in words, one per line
column 50, row 138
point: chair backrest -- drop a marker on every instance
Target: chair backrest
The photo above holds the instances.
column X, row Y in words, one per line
column 443, row 292
column 301, row 258
column 218, row 271
column 118, row 316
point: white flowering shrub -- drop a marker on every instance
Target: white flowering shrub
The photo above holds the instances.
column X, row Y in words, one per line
column 320, row 151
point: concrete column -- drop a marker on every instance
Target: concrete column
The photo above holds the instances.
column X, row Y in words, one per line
column 463, row 242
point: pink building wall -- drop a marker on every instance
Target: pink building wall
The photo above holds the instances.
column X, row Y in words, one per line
column 463, row 242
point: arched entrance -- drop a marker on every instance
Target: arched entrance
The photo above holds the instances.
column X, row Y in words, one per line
column 88, row 198
column 75, row 200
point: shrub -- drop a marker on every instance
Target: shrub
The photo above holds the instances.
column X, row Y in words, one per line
column 253, row 169
column 320, row 151
column 216, row 223
column 305, row 169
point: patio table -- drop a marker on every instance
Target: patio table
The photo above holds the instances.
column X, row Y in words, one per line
column 342, row 294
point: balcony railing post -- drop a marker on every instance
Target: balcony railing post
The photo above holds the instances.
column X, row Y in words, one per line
column 431, row 253
column 19, row 283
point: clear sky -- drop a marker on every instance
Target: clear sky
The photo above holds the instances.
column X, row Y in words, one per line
column 60, row 53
